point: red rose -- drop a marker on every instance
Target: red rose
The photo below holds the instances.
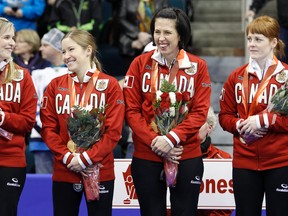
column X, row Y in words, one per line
column 179, row 96
column 186, row 96
column 158, row 112
column 165, row 97
column 164, row 105
column 181, row 109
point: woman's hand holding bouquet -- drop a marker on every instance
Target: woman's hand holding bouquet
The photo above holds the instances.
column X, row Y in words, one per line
column 160, row 146
column 170, row 109
column 250, row 131
column 86, row 126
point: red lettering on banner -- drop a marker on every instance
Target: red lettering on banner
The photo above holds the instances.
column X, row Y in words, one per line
column 231, row 186
column 210, row 182
column 222, row 186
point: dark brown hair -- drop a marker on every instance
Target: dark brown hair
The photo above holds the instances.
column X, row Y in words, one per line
column 182, row 24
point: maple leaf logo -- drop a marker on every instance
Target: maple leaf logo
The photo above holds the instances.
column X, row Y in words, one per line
column 129, row 185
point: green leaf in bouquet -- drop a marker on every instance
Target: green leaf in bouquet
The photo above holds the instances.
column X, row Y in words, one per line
column 167, row 87
column 279, row 100
column 85, row 126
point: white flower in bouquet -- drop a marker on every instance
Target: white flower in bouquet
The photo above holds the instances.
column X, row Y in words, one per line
column 88, row 108
column 172, row 111
column 172, row 97
column 158, row 95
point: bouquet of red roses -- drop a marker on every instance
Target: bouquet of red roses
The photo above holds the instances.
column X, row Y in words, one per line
column 170, row 109
column 85, row 126
column 278, row 105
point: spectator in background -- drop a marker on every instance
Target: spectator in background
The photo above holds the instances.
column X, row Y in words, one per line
column 17, row 116
column 129, row 31
column 134, row 18
column 185, row 5
column 282, row 8
column 26, row 52
column 43, row 22
column 207, row 148
column 51, row 51
column 23, row 13
column 210, row 151
column 67, row 15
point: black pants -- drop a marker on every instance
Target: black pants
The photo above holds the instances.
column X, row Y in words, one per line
column 250, row 187
column 67, row 198
column 12, row 181
column 151, row 187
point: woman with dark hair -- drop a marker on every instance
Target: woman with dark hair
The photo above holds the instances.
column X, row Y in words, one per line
column 260, row 166
column 171, row 32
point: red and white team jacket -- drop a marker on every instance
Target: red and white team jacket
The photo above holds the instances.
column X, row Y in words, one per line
column 18, row 101
column 55, row 110
column 268, row 152
column 192, row 76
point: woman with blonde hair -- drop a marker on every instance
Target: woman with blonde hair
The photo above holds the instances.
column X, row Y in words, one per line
column 84, row 85
column 26, row 52
column 18, row 101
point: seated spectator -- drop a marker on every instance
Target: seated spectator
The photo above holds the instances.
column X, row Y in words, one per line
column 26, row 53
column 22, row 13
column 210, row 151
column 51, row 51
column 207, row 148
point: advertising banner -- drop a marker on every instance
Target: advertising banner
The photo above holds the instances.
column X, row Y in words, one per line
column 216, row 190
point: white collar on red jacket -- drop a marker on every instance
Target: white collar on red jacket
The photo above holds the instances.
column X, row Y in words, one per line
column 87, row 76
column 254, row 67
column 183, row 62
column 3, row 64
